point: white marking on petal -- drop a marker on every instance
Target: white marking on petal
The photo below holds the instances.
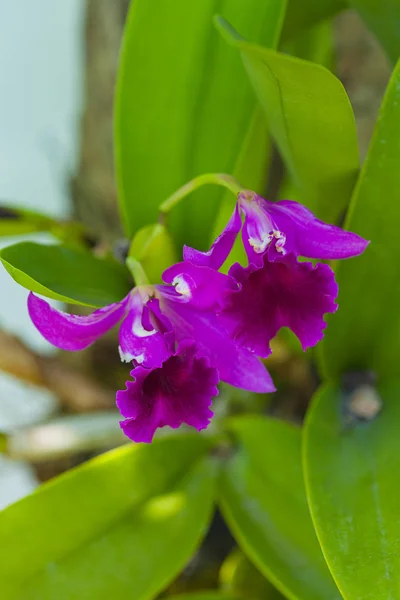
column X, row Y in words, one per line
column 124, row 356
column 139, row 358
column 259, row 245
column 128, row 357
column 182, row 286
column 139, row 330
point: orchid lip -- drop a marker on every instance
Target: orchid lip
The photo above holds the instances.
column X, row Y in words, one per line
column 139, row 330
column 260, row 246
column 127, row 357
column 261, row 228
column 266, row 240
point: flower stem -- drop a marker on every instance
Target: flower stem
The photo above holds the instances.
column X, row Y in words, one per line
column 222, row 179
column 138, row 273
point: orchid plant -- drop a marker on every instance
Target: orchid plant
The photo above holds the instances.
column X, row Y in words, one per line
column 213, row 275
column 203, row 326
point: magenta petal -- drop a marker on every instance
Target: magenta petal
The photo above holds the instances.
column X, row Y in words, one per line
column 180, row 391
column 73, row 332
column 201, row 286
column 257, row 228
column 219, row 251
column 235, row 365
column 308, row 236
column 280, row 294
column 140, row 339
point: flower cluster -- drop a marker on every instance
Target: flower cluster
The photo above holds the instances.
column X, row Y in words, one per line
column 202, row 326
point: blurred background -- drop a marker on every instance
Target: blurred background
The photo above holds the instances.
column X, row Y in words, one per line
column 58, row 63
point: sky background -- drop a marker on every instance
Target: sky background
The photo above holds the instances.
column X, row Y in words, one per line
column 41, row 74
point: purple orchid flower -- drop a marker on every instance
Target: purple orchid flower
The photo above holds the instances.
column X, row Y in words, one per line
column 179, row 391
column 178, row 348
column 276, row 289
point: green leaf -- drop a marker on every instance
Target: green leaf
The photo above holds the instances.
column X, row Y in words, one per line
column 307, row 110
column 128, row 520
column 383, row 18
column 264, row 501
column 239, row 576
column 153, row 247
column 256, row 150
column 352, row 477
column 302, row 15
column 365, row 332
column 316, row 44
column 251, row 167
column 204, row 596
column 16, row 221
column 20, row 221
column 66, row 274
column 183, row 107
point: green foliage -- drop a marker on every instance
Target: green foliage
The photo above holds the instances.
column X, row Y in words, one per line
column 184, row 107
column 153, row 247
column 300, row 16
column 251, row 166
column 365, row 332
column 263, row 499
column 188, row 104
column 20, row 221
column 204, row 596
column 66, row 274
column 315, row 44
column 240, row 576
column 383, row 18
column 352, row 476
column 307, row 109
column 128, row 520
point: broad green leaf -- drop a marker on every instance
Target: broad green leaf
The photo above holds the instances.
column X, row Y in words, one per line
column 302, row 15
column 352, row 472
column 383, row 18
column 315, row 44
column 183, row 106
column 252, row 163
column 365, row 332
column 20, row 221
column 66, row 274
column 128, row 520
column 263, row 499
column 153, row 247
column 255, row 150
column 311, row 120
column 239, row 576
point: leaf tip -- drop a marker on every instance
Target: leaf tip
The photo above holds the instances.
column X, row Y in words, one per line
column 227, row 30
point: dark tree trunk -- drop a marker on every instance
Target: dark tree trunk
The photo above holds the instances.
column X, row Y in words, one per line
column 93, row 188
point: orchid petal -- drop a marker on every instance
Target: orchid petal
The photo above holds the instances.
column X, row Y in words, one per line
column 180, row 391
column 280, row 294
column 236, row 366
column 219, row 251
column 201, row 286
column 308, row 236
column 140, row 338
column 73, row 332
